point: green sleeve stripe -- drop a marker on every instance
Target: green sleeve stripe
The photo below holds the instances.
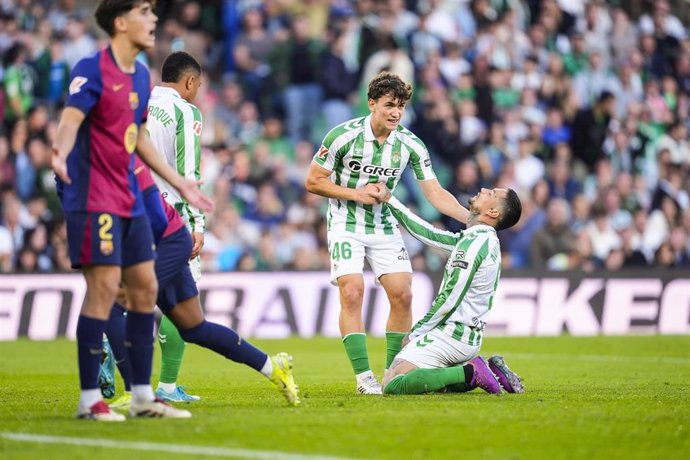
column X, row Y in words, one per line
column 481, row 255
column 197, row 145
column 180, row 140
column 421, row 229
column 351, row 220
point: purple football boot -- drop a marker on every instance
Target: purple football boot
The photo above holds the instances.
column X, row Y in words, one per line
column 483, row 377
column 509, row 380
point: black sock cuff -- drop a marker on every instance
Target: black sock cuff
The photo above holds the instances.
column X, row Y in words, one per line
column 469, row 372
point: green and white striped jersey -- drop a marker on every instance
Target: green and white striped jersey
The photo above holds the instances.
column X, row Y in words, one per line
column 354, row 155
column 174, row 126
column 470, row 277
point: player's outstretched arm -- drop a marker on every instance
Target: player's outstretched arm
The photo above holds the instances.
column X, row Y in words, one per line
column 70, row 121
column 418, row 227
column 443, row 200
column 319, row 183
column 188, row 189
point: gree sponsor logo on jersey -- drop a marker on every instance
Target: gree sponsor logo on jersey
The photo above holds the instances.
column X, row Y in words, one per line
column 76, row 84
column 373, row 170
column 161, row 115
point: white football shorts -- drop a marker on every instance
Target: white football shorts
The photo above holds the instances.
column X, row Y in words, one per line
column 385, row 254
column 436, row 349
column 195, row 268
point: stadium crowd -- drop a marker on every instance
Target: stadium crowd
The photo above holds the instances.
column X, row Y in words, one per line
column 581, row 106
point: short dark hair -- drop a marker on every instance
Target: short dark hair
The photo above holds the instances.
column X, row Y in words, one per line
column 108, row 10
column 177, row 65
column 512, row 210
column 387, row 83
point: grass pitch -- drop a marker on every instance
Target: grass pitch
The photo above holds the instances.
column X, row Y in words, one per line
column 602, row 397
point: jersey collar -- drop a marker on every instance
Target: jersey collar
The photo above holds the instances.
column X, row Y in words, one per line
column 165, row 90
column 481, row 227
column 369, row 133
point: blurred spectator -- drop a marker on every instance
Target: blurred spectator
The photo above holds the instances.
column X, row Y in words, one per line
column 589, row 129
column 252, row 50
column 18, row 83
column 296, row 64
column 601, row 233
column 561, row 183
column 676, row 142
column 555, row 131
column 77, row 42
column 552, row 243
column 339, row 83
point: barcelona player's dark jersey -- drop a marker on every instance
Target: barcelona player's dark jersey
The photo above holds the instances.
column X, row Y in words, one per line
column 101, row 164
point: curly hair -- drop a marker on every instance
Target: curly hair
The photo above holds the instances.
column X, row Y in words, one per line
column 386, row 83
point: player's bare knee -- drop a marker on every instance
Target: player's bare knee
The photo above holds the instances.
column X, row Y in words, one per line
column 401, row 300
column 103, row 289
column 142, row 296
column 351, row 297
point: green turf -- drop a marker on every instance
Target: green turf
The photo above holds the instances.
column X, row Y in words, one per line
column 603, row 397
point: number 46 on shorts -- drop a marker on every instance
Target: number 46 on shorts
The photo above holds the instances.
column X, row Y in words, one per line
column 341, row 250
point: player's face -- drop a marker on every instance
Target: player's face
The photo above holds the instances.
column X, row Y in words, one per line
column 386, row 113
column 141, row 25
column 487, row 199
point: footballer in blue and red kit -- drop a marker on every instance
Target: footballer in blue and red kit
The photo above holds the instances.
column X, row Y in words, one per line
column 173, row 244
column 104, row 210
column 176, row 285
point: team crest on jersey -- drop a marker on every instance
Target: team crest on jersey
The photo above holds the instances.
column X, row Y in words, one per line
column 134, row 100
column 76, row 84
column 196, row 127
column 395, row 157
column 323, row 152
column 130, row 139
column 106, row 247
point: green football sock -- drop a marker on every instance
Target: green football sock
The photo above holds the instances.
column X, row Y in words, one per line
column 393, row 346
column 421, row 381
column 172, row 351
column 356, row 349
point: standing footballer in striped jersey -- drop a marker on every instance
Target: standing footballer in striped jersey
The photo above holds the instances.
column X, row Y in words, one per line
column 355, row 156
column 443, row 347
column 175, row 129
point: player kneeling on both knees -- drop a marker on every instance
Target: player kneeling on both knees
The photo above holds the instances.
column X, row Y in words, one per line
column 442, row 352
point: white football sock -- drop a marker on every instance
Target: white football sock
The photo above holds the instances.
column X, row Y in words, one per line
column 167, row 387
column 267, row 370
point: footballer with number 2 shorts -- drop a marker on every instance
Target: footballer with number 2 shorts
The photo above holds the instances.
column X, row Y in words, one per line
column 354, row 156
column 109, row 235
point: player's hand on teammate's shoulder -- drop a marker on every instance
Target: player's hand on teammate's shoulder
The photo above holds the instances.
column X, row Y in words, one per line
column 189, row 190
column 59, row 165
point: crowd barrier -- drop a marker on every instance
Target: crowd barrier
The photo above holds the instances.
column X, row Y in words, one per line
column 305, row 304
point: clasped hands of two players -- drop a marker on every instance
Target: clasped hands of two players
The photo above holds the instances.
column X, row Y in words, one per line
column 374, row 193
